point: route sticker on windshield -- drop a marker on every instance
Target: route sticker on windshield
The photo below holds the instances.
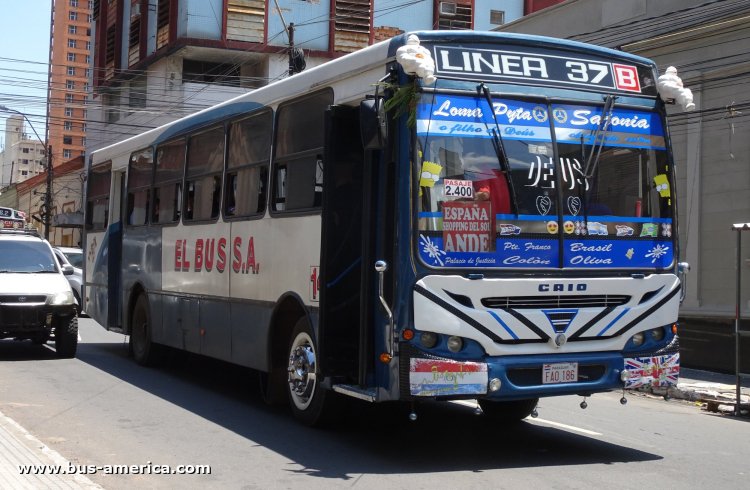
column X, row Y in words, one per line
column 458, row 189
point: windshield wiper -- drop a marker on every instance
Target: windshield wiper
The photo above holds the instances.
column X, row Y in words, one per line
column 497, row 144
column 592, row 160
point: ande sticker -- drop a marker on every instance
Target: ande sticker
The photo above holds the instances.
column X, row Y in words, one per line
column 467, row 226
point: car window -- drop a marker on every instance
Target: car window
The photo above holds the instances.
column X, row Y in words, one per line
column 26, row 256
column 75, row 258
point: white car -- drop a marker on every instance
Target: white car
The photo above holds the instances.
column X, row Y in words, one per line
column 36, row 300
column 73, row 257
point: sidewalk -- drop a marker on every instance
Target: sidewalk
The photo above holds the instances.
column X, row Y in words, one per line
column 18, row 447
column 718, row 391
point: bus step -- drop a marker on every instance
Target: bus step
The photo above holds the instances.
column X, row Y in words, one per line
column 366, row 394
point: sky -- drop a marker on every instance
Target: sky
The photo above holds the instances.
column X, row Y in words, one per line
column 24, row 61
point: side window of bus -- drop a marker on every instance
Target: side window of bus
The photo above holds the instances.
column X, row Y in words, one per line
column 140, row 174
column 97, row 197
column 205, row 164
column 170, row 163
column 247, row 166
column 298, row 164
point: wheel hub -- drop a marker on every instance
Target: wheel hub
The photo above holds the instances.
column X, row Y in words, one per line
column 301, row 372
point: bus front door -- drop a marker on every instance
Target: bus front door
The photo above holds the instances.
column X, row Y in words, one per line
column 343, row 330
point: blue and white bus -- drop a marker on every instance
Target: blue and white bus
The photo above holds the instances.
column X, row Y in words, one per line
column 442, row 216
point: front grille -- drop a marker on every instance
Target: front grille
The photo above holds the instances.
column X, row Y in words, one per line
column 20, row 299
column 533, row 376
column 537, row 302
column 21, row 316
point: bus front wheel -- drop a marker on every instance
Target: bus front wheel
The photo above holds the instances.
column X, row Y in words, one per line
column 510, row 411
column 306, row 397
column 143, row 350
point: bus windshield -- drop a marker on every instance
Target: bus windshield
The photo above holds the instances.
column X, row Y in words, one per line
column 503, row 192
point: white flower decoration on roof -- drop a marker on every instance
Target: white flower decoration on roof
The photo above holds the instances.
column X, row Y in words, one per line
column 670, row 86
column 416, row 60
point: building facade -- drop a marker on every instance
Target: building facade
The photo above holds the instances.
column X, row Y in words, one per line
column 157, row 60
column 67, row 192
column 69, row 84
column 22, row 157
column 707, row 43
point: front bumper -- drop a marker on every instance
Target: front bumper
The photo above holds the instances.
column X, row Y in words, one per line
column 23, row 321
column 521, row 377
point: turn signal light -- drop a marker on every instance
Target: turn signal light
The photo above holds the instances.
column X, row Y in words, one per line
column 408, row 334
column 385, row 358
column 674, row 328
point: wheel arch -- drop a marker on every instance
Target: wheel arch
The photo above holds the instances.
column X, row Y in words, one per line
column 288, row 310
column 135, row 292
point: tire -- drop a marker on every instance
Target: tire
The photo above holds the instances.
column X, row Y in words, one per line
column 66, row 337
column 144, row 351
column 307, row 398
column 78, row 302
column 508, row 412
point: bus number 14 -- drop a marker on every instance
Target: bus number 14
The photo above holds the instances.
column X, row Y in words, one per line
column 314, row 283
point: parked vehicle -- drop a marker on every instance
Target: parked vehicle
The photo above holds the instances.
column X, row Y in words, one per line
column 36, row 300
column 74, row 258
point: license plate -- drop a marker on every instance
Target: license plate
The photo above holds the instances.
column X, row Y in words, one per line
column 561, row 372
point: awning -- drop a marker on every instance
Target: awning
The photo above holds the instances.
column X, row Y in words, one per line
column 68, row 220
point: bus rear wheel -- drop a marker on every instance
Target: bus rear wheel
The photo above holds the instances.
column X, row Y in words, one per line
column 306, row 397
column 510, row 411
column 143, row 350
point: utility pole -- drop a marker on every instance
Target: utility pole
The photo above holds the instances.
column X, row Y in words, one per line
column 48, row 195
column 47, row 202
column 291, row 49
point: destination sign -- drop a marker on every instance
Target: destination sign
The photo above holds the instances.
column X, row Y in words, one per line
column 538, row 68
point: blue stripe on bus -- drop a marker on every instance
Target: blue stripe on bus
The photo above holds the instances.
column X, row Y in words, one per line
column 533, row 217
column 619, row 219
column 613, row 321
column 502, row 323
column 344, row 273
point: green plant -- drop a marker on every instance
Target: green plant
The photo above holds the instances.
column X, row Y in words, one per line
column 403, row 101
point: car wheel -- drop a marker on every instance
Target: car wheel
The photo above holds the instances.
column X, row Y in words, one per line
column 510, row 411
column 78, row 302
column 310, row 403
column 143, row 350
column 66, row 336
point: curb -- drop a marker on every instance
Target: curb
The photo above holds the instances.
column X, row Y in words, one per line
column 18, row 447
column 714, row 397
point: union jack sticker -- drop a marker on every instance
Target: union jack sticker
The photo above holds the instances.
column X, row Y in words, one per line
column 659, row 371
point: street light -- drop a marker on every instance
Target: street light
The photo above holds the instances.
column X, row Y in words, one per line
column 48, row 193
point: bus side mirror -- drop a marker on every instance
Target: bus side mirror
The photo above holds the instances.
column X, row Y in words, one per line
column 373, row 123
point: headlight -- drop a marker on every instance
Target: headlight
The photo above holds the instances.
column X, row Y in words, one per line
column 63, row 298
column 428, row 339
column 455, row 343
column 638, row 339
column 657, row 334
